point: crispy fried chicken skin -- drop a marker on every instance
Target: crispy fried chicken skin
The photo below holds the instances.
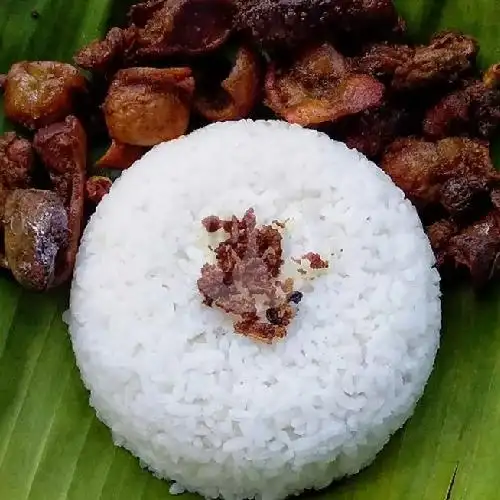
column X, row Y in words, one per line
column 182, row 26
column 443, row 61
column 238, row 93
column 63, row 150
column 36, row 232
column 317, row 88
column 39, row 93
column 146, row 106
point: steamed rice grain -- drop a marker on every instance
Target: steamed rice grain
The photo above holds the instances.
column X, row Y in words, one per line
column 220, row 414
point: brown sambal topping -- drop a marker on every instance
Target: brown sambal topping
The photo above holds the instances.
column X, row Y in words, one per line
column 245, row 279
column 315, row 260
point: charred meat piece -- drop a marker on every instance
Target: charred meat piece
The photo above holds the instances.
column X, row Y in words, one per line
column 473, row 111
column 286, row 24
column 146, row 106
column 96, row 188
column 238, row 93
column 477, row 248
column 16, row 165
column 440, row 234
column 317, row 89
column 36, row 231
column 121, row 156
column 105, row 56
column 461, row 196
column 184, row 27
column 448, row 57
column 63, row 150
column 41, row 92
column 382, row 59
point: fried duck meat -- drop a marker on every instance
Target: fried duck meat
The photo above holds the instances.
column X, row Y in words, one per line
column 287, row 24
column 96, row 188
column 108, row 55
column 453, row 171
column 317, row 88
column 120, row 156
column 16, row 165
column 439, row 235
column 183, row 27
column 36, row 232
column 63, row 150
column 146, row 106
column 41, row 92
column 448, row 57
column 473, row 111
column 237, row 94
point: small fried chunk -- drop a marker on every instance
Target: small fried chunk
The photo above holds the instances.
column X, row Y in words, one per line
column 121, row 156
column 16, row 165
column 460, row 196
column 104, row 56
column 317, row 88
column 439, row 235
column 36, row 231
column 491, row 77
column 63, row 150
column 237, row 94
column 96, row 188
column 41, row 92
column 448, row 56
column 477, row 248
column 184, row 27
column 146, row 106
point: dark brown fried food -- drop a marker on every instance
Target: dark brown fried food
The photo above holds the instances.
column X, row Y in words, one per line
column 460, row 196
column 237, row 94
column 491, row 77
column 16, row 165
column 317, row 89
column 183, row 27
column 63, row 150
column 477, row 248
column 439, row 235
column 36, row 231
column 472, row 111
column 96, row 188
column 444, row 60
column 104, row 56
column 287, row 24
column 146, row 106
column 140, row 13
column 39, row 93
column 382, row 59
column 120, row 156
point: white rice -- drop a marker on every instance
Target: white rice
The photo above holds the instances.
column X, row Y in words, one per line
column 221, row 414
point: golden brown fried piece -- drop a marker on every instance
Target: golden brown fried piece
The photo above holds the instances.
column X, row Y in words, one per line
column 146, row 106
column 491, row 77
column 96, row 188
column 439, row 235
column 317, row 88
column 36, row 231
column 238, row 93
column 16, row 165
column 448, row 56
column 104, row 56
column 63, row 150
column 183, row 26
column 41, row 92
column 121, row 156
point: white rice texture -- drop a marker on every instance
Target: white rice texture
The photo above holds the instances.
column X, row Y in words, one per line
column 221, row 414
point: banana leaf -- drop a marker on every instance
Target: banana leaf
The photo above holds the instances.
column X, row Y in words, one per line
column 52, row 447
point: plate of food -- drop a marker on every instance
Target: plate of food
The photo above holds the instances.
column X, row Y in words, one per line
column 249, row 249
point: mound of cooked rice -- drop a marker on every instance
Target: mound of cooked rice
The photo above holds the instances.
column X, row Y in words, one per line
column 221, row 414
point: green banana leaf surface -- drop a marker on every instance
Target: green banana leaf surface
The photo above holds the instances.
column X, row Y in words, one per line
column 52, row 447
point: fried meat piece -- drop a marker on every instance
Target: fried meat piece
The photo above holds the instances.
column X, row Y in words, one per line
column 439, row 235
column 286, row 24
column 36, row 231
column 41, row 92
column 460, row 196
column 477, row 248
column 63, row 150
column 421, row 169
column 317, row 88
column 238, row 93
column 120, row 156
column 96, row 188
column 104, row 56
column 444, row 60
column 16, row 165
column 146, row 106
column 491, row 77
column 183, row 26
column 472, row 111
column 382, row 59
